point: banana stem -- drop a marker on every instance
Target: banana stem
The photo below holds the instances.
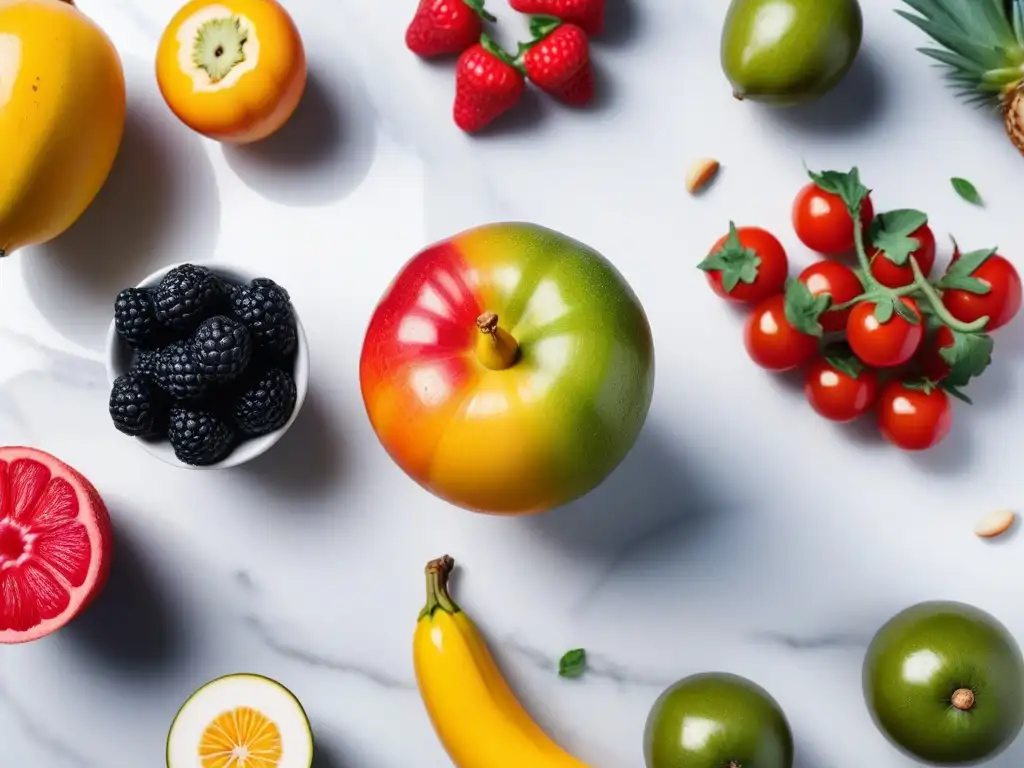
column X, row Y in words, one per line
column 437, row 572
column 496, row 348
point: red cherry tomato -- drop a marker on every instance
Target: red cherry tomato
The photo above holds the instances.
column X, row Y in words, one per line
column 930, row 358
column 837, row 395
column 772, row 342
column 726, row 256
column 822, row 222
column 895, row 276
column 1000, row 304
column 913, row 419
column 883, row 345
column 837, row 280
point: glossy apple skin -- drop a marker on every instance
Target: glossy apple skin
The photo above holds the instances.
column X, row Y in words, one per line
column 919, row 658
column 715, row 719
column 540, row 433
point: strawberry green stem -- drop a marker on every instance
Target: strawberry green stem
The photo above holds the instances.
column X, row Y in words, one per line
column 437, row 572
column 939, row 308
column 496, row 50
column 542, row 26
column 478, row 7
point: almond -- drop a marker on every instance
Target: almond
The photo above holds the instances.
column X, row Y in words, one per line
column 700, row 173
column 994, row 523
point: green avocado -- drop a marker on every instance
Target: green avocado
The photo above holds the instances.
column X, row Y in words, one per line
column 786, row 52
column 717, row 720
column 944, row 682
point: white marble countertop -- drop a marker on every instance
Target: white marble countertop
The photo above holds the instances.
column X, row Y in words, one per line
column 742, row 534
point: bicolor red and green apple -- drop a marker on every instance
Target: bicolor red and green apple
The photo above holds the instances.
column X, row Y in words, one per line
column 508, row 369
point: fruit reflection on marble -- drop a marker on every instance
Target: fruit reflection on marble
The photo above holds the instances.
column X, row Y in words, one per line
column 944, row 681
column 232, row 70
column 62, row 115
column 508, row 369
column 56, row 544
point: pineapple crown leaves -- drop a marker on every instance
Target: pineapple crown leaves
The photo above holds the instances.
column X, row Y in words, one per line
column 982, row 43
column 891, row 233
column 847, row 186
column 737, row 263
column 804, row 309
column 960, row 273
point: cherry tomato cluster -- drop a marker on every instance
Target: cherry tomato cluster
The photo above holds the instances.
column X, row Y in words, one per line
column 867, row 322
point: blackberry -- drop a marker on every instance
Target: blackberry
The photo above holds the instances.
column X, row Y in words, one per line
column 199, row 437
column 145, row 360
column 266, row 404
column 178, row 371
column 186, row 295
column 222, row 348
column 266, row 310
column 135, row 317
column 137, row 406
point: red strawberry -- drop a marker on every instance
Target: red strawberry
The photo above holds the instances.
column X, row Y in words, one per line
column 446, row 27
column 558, row 60
column 487, row 84
column 586, row 14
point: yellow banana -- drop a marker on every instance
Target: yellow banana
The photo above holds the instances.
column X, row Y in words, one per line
column 475, row 714
column 62, row 113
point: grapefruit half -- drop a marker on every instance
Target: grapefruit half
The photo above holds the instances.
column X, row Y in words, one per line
column 56, row 543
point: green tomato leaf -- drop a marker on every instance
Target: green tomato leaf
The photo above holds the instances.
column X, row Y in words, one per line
column 804, row 309
column 966, row 190
column 890, row 233
column 884, row 309
column 736, row 263
column 847, row 185
column 967, row 357
column 959, row 274
column 955, row 392
column 841, row 357
column 573, row 663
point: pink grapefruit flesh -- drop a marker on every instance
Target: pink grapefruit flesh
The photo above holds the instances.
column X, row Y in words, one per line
column 55, row 544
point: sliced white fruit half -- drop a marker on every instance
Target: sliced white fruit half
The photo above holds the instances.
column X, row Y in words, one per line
column 240, row 721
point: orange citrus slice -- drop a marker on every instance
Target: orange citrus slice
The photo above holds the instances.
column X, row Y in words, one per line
column 240, row 721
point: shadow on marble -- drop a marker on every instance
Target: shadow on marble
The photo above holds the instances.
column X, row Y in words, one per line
column 532, row 111
column 131, row 627
column 322, row 154
column 856, row 103
column 651, row 492
column 307, row 462
column 622, row 24
column 325, row 755
column 1013, row 757
column 159, row 205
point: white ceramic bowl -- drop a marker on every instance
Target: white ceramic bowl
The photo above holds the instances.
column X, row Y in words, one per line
column 119, row 356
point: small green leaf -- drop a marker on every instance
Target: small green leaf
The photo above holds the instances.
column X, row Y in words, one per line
column 847, row 185
column 884, row 309
column 966, row 190
column 955, row 392
column 736, row 263
column 573, row 663
column 890, row 233
column 959, row 274
column 841, row 357
column 804, row 309
column 967, row 357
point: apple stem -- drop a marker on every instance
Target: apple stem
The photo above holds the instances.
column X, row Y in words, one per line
column 962, row 699
column 496, row 348
column 438, row 598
